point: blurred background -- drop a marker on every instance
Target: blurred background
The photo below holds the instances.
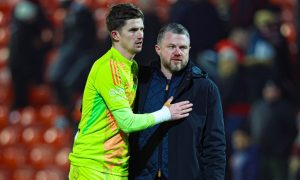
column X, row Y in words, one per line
column 248, row 47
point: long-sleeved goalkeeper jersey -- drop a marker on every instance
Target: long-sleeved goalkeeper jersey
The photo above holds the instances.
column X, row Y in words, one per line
column 101, row 142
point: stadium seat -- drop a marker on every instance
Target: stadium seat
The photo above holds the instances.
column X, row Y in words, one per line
column 10, row 135
column 3, row 116
column 61, row 158
column 50, row 173
column 58, row 17
column 5, row 77
column 28, row 116
column 33, row 135
column 23, row 173
column 58, row 137
column 48, row 114
column 3, row 59
column 4, row 36
column 5, row 173
column 14, row 156
column 41, row 156
column 3, row 19
column 6, row 95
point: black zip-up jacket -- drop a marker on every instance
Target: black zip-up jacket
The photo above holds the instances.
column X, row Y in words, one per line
column 196, row 143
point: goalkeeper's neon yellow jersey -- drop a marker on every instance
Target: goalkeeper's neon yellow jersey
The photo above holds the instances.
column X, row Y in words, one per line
column 101, row 142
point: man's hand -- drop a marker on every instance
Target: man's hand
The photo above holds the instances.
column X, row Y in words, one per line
column 179, row 110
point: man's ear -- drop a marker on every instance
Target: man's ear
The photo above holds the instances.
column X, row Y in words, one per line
column 157, row 49
column 115, row 35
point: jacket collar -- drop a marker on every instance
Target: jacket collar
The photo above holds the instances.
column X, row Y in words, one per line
column 190, row 70
column 197, row 72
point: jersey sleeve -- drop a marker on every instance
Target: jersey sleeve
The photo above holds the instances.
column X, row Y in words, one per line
column 130, row 122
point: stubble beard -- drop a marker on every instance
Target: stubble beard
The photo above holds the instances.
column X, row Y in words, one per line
column 172, row 67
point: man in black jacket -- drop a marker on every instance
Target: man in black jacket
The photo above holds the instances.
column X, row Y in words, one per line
column 190, row 149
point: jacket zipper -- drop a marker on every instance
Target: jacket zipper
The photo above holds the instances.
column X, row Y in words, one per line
column 160, row 148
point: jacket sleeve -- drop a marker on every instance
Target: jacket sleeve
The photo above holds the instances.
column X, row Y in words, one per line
column 214, row 158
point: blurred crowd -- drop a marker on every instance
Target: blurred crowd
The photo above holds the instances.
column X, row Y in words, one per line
column 248, row 47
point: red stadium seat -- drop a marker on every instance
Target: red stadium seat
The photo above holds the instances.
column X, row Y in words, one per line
column 5, row 74
column 4, row 113
column 57, row 137
column 23, row 173
column 41, row 156
column 4, row 36
column 61, row 158
column 5, row 174
column 58, row 17
column 6, row 95
column 10, row 135
column 100, row 3
column 48, row 114
column 4, row 53
column 28, row 116
column 4, row 19
column 14, row 156
column 50, row 173
column 33, row 135
column 50, row 5
column 7, row 6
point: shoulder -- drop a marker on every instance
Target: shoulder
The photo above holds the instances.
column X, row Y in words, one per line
column 199, row 75
column 196, row 71
column 103, row 64
column 202, row 78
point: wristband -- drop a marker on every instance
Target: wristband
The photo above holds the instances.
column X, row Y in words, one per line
column 162, row 115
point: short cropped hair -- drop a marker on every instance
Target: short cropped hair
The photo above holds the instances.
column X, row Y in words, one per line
column 174, row 28
column 119, row 13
